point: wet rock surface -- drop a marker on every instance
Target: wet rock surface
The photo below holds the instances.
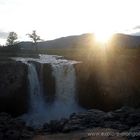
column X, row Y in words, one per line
column 48, row 83
column 123, row 120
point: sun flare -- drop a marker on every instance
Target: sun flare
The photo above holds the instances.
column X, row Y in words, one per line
column 103, row 37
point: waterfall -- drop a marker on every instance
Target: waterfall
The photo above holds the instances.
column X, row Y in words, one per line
column 37, row 109
column 36, row 99
column 64, row 104
column 65, row 82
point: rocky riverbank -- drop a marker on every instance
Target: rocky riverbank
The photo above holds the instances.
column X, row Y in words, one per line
column 122, row 120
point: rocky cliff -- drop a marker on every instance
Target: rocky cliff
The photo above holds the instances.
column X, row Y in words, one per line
column 110, row 84
column 13, row 87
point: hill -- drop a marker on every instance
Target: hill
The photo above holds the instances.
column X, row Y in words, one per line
column 64, row 42
column 84, row 40
column 123, row 40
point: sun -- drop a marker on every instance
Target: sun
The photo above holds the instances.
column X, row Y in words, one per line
column 103, row 37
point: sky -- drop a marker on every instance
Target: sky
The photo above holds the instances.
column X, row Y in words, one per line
column 57, row 18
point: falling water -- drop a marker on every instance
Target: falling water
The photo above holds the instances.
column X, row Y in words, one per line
column 64, row 104
column 35, row 115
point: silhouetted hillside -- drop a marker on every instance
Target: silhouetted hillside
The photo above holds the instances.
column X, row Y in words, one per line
column 84, row 40
column 64, row 42
column 123, row 40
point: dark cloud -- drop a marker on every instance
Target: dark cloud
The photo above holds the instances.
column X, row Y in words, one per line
column 3, row 35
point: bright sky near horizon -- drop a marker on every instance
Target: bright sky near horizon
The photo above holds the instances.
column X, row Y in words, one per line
column 56, row 18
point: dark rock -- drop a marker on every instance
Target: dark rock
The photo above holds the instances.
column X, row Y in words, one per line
column 1, row 136
column 4, row 116
column 72, row 115
column 26, row 134
column 54, row 126
column 118, row 119
column 135, row 129
column 12, row 134
column 80, row 121
column 125, row 109
column 67, row 128
column 13, row 88
column 46, row 127
column 135, row 133
column 133, row 119
column 88, row 91
column 48, row 83
column 110, row 88
column 62, row 122
column 116, row 125
column 13, row 128
column 31, row 129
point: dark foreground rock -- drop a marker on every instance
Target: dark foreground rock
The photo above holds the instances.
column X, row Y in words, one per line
column 13, row 87
column 125, row 122
column 119, row 119
column 13, row 128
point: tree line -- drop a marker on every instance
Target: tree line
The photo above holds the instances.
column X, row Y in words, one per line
column 12, row 38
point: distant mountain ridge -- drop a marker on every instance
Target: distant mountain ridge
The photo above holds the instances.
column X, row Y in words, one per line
column 84, row 40
column 124, row 40
column 63, row 42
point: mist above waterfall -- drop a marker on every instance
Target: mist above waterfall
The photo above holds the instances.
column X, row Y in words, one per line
column 40, row 111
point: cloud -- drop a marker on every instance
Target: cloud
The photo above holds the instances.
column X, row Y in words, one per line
column 136, row 33
column 4, row 2
column 3, row 35
column 136, row 27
